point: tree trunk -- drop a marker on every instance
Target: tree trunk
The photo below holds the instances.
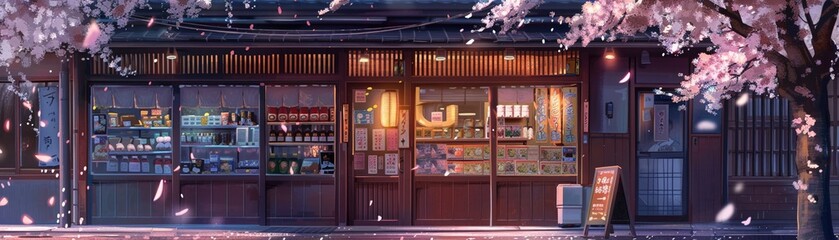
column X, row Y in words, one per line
column 814, row 215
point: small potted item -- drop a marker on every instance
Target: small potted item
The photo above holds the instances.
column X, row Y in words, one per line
column 272, row 114
column 324, row 114
column 314, row 114
column 293, row 114
column 304, row 114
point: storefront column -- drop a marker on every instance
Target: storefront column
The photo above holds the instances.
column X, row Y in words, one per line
column 65, row 149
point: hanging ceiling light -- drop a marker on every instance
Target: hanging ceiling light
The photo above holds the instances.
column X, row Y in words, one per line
column 365, row 56
column 609, row 53
column 440, row 55
column 509, row 54
column 171, row 54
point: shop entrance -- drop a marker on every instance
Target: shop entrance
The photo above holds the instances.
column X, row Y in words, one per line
column 374, row 187
column 661, row 157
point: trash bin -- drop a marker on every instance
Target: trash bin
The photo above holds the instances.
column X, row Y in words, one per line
column 569, row 205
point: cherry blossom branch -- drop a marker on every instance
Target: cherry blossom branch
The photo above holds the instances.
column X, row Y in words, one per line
column 809, row 19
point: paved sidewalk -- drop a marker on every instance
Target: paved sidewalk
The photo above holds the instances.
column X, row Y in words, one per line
column 644, row 231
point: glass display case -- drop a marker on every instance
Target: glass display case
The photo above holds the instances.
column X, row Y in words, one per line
column 537, row 130
column 219, row 130
column 301, row 129
column 451, row 131
column 131, row 130
column 374, row 132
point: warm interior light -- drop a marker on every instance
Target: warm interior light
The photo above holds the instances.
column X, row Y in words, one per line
column 365, row 57
column 388, row 109
column 440, row 55
column 171, row 54
column 609, row 53
column 509, row 54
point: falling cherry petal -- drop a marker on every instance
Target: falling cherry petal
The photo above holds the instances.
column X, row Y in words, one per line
column 81, row 221
column 308, row 23
column 725, row 213
column 51, row 201
column 415, row 168
column 279, row 10
column 151, row 22
column 470, row 41
column 43, row 158
column 105, row 90
column 371, row 203
column 4, row 201
column 446, row 174
column 177, row 168
column 251, row 27
column 27, row 105
column 7, row 126
column 159, row 192
column 182, row 212
column 380, row 218
column 25, row 219
column 247, row 48
column 42, row 123
column 92, row 34
column 149, row 83
column 742, row 100
column 232, row 52
column 625, row 78
column 747, row 221
column 202, row 33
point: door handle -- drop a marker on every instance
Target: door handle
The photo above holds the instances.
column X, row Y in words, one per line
column 695, row 140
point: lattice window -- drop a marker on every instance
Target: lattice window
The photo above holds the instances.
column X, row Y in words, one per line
column 472, row 63
column 761, row 141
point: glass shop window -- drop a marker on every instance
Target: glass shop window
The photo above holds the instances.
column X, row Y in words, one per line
column 301, row 125
column 131, row 130
column 451, row 131
column 537, row 130
column 8, row 150
column 219, row 130
column 34, row 121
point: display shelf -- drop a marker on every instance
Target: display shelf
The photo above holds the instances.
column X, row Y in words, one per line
column 449, row 140
column 298, row 177
column 300, row 123
column 119, row 176
column 138, row 152
column 139, row 128
column 218, row 146
column 513, row 139
column 219, row 127
column 280, row 144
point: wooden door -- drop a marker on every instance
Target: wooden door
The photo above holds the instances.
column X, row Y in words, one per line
column 375, row 163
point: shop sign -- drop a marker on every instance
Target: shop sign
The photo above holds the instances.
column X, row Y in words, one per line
column 436, row 117
column 585, row 116
column 608, row 201
column 404, row 141
column 345, row 123
column 48, row 138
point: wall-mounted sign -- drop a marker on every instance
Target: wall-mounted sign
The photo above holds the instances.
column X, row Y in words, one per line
column 360, row 96
column 608, row 201
column 436, row 116
column 48, row 139
column 404, row 135
column 345, row 123
column 661, row 125
column 585, row 116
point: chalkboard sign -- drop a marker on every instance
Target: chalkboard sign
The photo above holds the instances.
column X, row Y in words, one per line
column 48, row 131
column 608, row 201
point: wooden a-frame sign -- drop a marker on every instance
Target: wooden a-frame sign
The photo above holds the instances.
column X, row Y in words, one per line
column 608, row 203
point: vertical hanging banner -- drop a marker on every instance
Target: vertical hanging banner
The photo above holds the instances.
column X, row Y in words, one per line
column 48, row 140
column 345, row 123
column 661, row 128
column 404, row 135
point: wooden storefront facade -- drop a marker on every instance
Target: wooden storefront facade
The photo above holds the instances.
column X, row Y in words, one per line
column 350, row 197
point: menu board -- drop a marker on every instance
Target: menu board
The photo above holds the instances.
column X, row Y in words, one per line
column 608, row 200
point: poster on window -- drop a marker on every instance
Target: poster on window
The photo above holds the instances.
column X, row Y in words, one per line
column 569, row 120
column 392, row 139
column 372, row 164
column 391, row 164
column 360, row 139
column 660, row 123
column 379, row 139
column 48, row 131
column 363, row 117
column 360, row 96
column 358, row 161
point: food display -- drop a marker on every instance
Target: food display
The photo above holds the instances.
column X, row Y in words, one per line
column 301, row 129
column 537, row 130
column 219, row 130
column 131, row 130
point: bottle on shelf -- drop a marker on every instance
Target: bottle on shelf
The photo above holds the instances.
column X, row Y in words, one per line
column 272, row 137
column 322, row 135
column 298, row 134
column 330, row 136
column 280, row 135
column 145, row 165
column 307, row 135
